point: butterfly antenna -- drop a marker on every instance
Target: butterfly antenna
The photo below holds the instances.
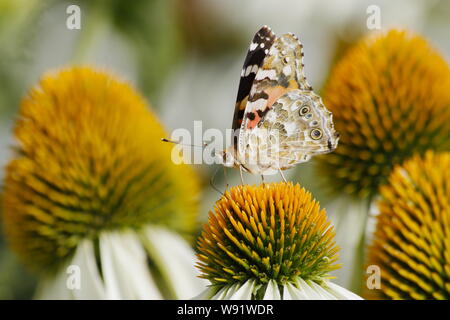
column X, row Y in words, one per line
column 205, row 144
column 211, row 182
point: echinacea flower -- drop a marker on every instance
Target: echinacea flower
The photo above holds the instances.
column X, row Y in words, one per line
column 411, row 243
column 390, row 99
column 92, row 192
column 269, row 242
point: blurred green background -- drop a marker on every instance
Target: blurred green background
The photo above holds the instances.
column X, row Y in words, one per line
column 185, row 58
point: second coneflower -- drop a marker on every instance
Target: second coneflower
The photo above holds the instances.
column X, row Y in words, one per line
column 411, row 245
column 269, row 242
column 390, row 99
column 92, row 193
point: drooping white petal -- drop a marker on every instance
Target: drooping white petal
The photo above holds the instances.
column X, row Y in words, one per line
column 348, row 214
column 244, row 292
column 322, row 292
column 290, row 292
column 124, row 266
column 206, row 294
column 85, row 267
column 223, row 293
column 309, row 292
column 340, row 292
column 53, row 289
column 272, row 292
column 177, row 261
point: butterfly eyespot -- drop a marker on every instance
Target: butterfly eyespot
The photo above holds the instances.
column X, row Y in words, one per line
column 304, row 111
column 314, row 123
column 308, row 116
column 316, row 134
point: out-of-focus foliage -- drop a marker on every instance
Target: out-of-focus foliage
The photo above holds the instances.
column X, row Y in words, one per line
column 16, row 20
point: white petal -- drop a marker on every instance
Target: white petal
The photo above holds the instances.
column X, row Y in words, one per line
column 91, row 286
column 53, row 288
column 125, row 269
column 244, row 292
column 308, row 291
column 290, row 292
column 348, row 214
column 223, row 293
column 322, row 292
column 272, row 292
column 341, row 293
column 177, row 260
column 206, row 294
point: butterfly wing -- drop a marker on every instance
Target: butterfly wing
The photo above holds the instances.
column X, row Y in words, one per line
column 259, row 48
column 281, row 71
column 296, row 127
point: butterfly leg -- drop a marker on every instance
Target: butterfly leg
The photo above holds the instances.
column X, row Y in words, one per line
column 262, row 178
column 226, row 177
column 240, row 172
column 211, row 182
column 282, row 175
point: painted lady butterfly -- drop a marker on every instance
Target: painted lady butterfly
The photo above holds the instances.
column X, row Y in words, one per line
column 278, row 120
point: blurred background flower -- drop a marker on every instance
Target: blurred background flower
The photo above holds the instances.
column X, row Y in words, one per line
column 185, row 56
column 411, row 241
column 395, row 104
column 269, row 242
column 92, row 186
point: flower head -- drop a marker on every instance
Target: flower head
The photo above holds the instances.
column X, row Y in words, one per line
column 268, row 240
column 390, row 99
column 411, row 242
column 89, row 160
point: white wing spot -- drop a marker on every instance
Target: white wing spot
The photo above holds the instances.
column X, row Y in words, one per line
column 247, row 71
column 287, row 70
column 258, row 104
column 253, row 46
column 262, row 74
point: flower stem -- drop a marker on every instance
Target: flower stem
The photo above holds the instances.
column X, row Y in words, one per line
column 358, row 265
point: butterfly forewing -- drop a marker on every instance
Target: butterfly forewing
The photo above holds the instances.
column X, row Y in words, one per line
column 281, row 71
column 259, row 48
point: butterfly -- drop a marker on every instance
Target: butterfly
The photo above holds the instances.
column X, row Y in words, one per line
column 278, row 120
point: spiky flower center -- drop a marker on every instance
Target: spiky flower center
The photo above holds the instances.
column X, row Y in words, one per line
column 90, row 159
column 412, row 238
column 270, row 232
column 395, row 103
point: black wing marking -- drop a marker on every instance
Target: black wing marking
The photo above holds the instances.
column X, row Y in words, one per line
column 259, row 48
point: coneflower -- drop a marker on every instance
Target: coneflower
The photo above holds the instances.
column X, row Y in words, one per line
column 411, row 243
column 92, row 186
column 390, row 100
column 269, row 242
